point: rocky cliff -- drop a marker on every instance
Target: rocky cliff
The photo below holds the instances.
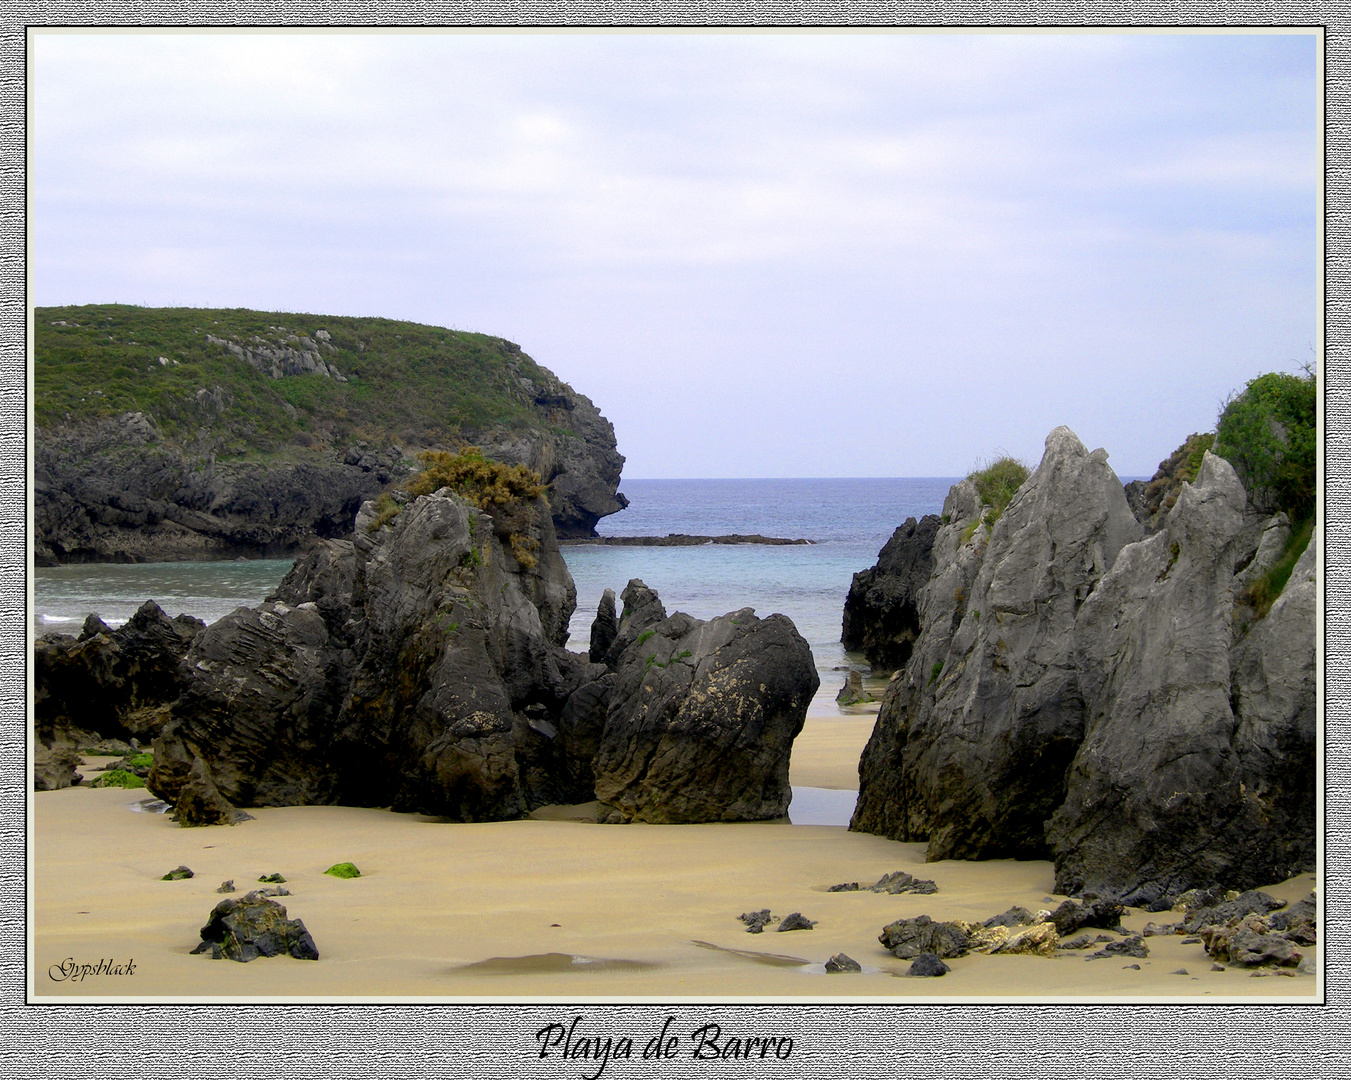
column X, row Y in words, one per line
column 1082, row 692
column 185, row 434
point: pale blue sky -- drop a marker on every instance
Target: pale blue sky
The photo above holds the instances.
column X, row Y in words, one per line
column 760, row 254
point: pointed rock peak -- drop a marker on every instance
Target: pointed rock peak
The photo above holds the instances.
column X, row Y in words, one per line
column 1062, row 440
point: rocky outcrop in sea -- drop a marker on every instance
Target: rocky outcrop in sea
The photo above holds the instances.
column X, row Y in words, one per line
column 420, row 665
column 1081, row 691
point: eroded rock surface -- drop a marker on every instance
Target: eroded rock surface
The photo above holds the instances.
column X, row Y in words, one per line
column 1081, row 691
column 420, row 665
column 110, row 684
column 702, row 715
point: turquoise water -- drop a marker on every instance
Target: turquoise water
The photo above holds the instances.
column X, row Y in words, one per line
column 850, row 520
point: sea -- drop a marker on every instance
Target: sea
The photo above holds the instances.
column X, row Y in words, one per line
column 847, row 520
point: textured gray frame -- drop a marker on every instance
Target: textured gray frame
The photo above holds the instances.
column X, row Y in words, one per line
column 471, row 1040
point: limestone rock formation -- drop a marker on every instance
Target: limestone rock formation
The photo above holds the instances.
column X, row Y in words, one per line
column 1191, row 795
column 54, row 768
column 701, row 719
column 420, row 665
column 997, row 715
column 1083, row 691
column 881, row 612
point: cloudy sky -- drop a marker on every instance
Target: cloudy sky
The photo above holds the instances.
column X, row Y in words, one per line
column 877, row 254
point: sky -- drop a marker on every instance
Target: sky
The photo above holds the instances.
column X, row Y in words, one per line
column 760, row 254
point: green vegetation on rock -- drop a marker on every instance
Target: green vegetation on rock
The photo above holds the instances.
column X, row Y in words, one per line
column 119, row 778
column 404, row 382
column 1266, row 589
column 142, row 761
column 1269, row 434
column 997, row 483
column 503, row 490
column 343, row 870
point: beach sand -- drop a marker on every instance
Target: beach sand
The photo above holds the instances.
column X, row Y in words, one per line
column 552, row 907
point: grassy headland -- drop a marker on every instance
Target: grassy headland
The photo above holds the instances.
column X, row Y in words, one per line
column 405, row 382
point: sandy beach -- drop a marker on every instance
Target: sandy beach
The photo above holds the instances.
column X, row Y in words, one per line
column 552, row 906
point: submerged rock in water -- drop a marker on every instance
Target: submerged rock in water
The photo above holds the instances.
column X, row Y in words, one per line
column 852, row 692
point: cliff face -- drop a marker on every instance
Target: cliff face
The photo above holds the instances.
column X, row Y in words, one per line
column 219, row 437
column 1081, row 692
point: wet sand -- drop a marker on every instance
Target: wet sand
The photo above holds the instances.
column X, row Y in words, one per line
column 552, row 907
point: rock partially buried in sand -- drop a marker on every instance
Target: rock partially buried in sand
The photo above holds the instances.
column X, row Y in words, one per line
column 1038, row 940
column 928, row 965
column 900, row 882
column 840, row 964
column 253, row 926
column 756, row 921
column 227, row 886
column 272, row 879
column 908, row 938
column 179, row 873
column 342, row 870
column 1131, row 946
column 54, row 769
column 796, row 921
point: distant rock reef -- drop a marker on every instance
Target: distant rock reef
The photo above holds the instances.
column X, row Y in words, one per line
column 420, row 665
column 1080, row 685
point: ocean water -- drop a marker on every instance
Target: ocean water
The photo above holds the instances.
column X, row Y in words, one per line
column 849, row 520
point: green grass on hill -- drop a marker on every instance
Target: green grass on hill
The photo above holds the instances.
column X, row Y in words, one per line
column 408, row 383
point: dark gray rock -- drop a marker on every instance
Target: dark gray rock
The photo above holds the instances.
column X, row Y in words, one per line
column 881, row 612
column 1160, row 755
column 1069, row 916
column 898, row 881
column 796, row 921
column 1056, row 644
column 702, row 715
column 251, row 926
column 1015, row 916
column 908, row 938
column 848, row 886
column 756, row 921
column 1254, row 901
column 841, row 964
column 1131, row 946
column 227, row 886
column 928, row 965
column 605, row 628
column 110, row 684
column 179, row 873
